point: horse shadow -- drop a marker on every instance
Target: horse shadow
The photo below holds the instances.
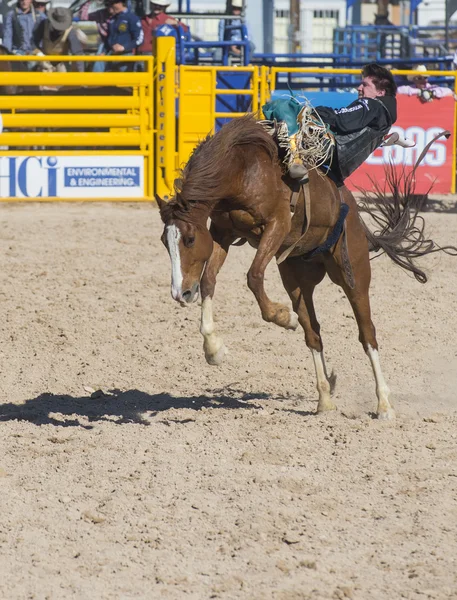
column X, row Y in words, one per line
column 437, row 206
column 120, row 407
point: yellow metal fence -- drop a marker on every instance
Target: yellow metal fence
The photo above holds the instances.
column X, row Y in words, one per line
column 192, row 95
column 93, row 124
column 166, row 112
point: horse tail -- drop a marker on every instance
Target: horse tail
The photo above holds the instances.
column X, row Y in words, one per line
column 400, row 229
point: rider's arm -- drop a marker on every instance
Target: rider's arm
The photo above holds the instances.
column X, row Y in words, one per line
column 355, row 117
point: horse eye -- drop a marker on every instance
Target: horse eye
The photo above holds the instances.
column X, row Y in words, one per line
column 190, row 241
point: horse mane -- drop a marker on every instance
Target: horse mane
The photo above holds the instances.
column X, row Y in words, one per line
column 204, row 178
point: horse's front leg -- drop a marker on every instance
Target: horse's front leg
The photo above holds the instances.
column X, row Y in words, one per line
column 271, row 241
column 214, row 347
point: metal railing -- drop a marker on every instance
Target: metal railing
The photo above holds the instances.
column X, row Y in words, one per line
column 369, row 43
column 60, row 123
column 158, row 115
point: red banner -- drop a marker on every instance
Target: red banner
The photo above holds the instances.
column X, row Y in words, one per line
column 421, row 122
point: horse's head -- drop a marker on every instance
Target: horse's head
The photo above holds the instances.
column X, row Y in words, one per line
column 189, row 246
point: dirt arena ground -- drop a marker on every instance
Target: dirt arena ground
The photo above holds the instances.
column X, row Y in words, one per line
column 181, row 480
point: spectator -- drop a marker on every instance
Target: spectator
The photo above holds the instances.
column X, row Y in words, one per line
column 102, row 17
column 4, row 9
column 57, row 36
column 226, row 34
column 422, row 88
column 157, row 17
column 20, row 24
column 125, row 34
column 41, row 6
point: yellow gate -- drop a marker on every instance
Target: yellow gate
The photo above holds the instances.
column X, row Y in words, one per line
column 192, row 94
column 90, row 146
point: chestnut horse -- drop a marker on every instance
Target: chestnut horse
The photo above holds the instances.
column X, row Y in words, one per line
column 235, row 179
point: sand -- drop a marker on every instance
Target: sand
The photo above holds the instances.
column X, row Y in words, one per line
column 129, row 468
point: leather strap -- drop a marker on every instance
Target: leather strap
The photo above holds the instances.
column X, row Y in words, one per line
column 295, row 195
column 346, row 261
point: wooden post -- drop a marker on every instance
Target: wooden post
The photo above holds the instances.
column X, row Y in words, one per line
column 295, row 26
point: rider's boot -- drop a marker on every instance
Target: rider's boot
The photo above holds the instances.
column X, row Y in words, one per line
column 396, row 139
column 296, row 168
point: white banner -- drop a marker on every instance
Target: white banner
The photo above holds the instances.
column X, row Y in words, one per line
column 71, row 177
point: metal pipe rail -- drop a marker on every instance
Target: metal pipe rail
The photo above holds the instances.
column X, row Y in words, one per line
column 59, row 120
column 108, row 127
column 75, row 58
column 71, row 102
column 77, row 79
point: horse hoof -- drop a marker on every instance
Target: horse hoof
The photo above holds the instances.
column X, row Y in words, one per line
column 293, row 321
column 386, row 415
column 216, row 358
column 325, row 407
column 282, row 316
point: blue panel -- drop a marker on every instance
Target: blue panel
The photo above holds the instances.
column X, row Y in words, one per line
column 237, row 80
column 332, row 99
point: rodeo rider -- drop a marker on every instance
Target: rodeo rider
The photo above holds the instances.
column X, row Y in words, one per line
column 358, row 130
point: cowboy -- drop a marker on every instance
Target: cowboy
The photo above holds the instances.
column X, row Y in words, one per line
column 421, row 87
column 358, row 129
column 57, row 36
column 156, row 18
column 20, row 24
column 125, row 34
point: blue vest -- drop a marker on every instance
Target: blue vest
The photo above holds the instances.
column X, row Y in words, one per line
column 125, row 30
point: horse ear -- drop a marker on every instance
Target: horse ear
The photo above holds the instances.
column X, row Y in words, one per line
column 160, row 203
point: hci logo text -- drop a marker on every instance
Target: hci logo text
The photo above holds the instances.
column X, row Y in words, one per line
column 30, row 176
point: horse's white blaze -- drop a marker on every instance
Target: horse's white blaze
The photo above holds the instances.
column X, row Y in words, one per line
column 385, row 410
column 173, row 237
column 323, row 385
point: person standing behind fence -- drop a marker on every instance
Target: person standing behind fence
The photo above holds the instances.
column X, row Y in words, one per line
column 226, row 34
column 421, row 87
column 20, row 24
column 157, row 17
column 4, row 8
column 125, row 35
column 102, row 17
column 57, row 36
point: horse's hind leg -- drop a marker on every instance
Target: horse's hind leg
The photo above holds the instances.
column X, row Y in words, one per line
column 213, row 346
column 300, row 279
column 360, row 302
